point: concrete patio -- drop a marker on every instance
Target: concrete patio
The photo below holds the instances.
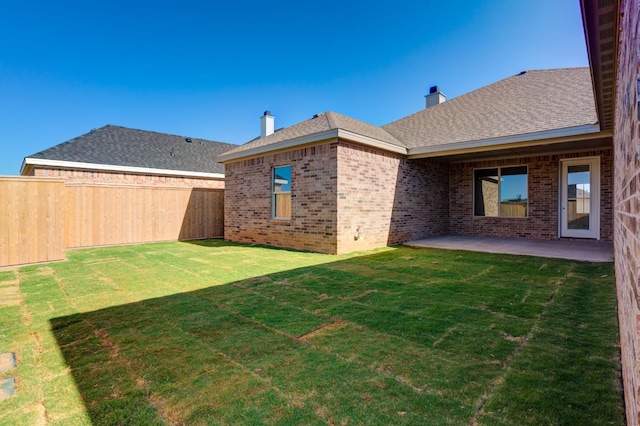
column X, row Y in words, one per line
column 588, row 251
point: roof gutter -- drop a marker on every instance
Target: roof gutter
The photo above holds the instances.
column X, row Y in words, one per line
column 28, row 164
column 316, row 137
column 528, row 139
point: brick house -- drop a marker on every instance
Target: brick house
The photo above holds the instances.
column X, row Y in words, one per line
column 523, row 157
column 120, row 155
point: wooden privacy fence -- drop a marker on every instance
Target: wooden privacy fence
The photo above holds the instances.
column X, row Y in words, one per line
column 40, row 218
column 31, row 220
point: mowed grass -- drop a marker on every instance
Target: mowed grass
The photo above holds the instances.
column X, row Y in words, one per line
column 211, row 332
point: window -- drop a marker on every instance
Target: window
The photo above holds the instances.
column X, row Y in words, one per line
column 281, row 190
column 501, row 192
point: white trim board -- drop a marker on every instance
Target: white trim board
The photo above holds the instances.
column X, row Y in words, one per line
column 587, row 131
column 316, row 137
column 111, row 168
column 593, row 232
column 527, row 139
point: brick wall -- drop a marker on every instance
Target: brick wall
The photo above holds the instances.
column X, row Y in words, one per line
column 99, row 176
column 626, row 142
column 313, row 200
column 389, row 199
column 347, row 198
column 336, row 189
column 542, row 222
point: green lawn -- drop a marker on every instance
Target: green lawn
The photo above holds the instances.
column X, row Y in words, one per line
column 210, row 332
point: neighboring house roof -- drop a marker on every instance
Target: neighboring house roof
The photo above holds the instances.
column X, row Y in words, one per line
column 530, row 102
column 530, row 106
column 124, row 149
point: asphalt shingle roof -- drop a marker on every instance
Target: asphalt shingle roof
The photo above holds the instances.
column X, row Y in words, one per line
column 320, row 123
column 531, row 102
column 122, row 146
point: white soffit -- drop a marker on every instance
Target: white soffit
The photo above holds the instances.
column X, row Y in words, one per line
column 110, row 168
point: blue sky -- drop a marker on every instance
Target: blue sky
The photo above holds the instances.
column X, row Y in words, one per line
column 210, row 69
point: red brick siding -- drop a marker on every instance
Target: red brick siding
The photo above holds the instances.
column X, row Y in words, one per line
column 313, row 200
column 626, row 142
column 542, row 222
column 120, row 178
column 390, row 199
column 339, row 189
column 336, row 189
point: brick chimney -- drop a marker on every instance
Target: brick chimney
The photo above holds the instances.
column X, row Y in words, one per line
column 434, row 97
column 266, row 124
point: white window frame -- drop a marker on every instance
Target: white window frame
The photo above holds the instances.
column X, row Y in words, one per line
column 594, row 218
column 274, row 193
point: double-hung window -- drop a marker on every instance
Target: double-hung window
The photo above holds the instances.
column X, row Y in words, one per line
column 501, row 192
column 281, row 192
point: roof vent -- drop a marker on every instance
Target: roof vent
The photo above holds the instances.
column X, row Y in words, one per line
column 188, row 140
column 434, row 97
column 522, row 72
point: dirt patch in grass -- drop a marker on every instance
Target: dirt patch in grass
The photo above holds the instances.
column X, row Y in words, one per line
column 9, row 295
column 324, row 328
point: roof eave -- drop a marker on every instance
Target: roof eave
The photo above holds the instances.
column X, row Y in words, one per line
column 601, row 30
column 527, row 139
column 308, row 139
column 372, row 142
column 28, row 164
column 25, row 169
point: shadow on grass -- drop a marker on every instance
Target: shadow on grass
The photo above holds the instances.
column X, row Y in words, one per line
column 400, row 336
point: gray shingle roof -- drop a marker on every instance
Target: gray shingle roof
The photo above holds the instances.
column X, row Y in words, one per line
column 535, row 101
column 530, row 102
column 122, row 146
column 322, row 122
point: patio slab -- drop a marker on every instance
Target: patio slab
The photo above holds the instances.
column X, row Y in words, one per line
column 588, row 251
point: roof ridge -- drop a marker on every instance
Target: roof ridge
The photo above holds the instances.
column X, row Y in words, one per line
column 336, row 115
column 150, row 131
column 328, row 115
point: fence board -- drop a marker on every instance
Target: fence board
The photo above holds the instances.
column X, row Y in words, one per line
column 41, row 217
column 4, row 221
column 108, row 215
column 31, row 220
